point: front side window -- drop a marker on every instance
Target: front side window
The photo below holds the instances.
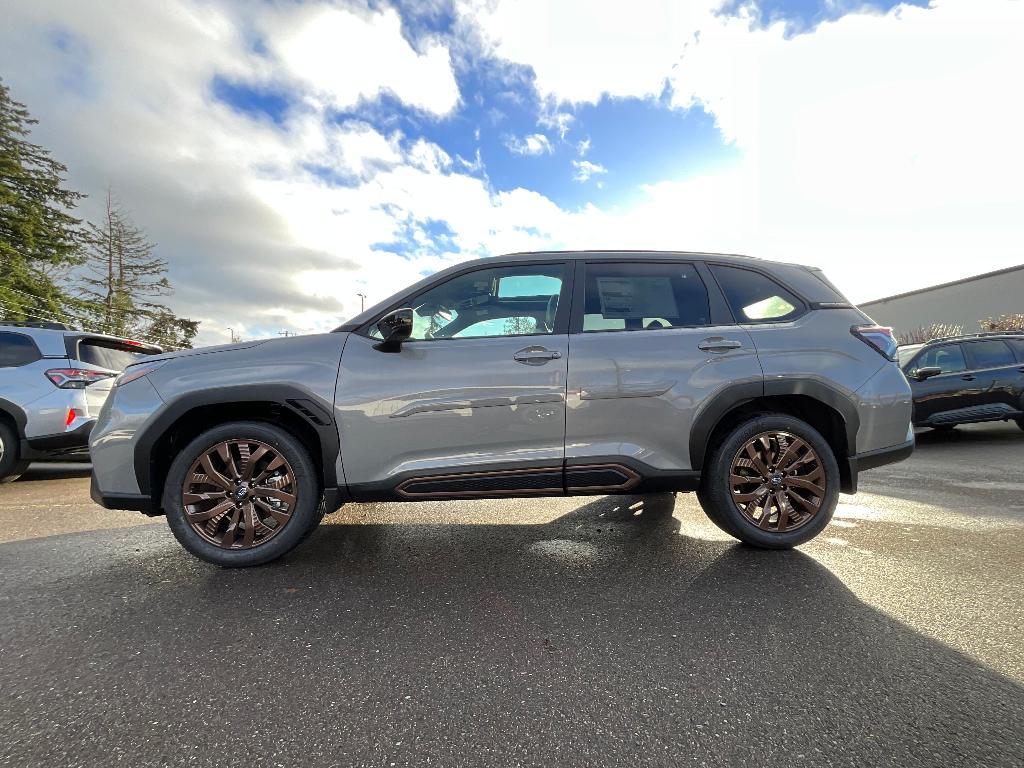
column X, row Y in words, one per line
column 948, row 358
column 754, row 297
column 500, row 301
column 992, row 353
column 17, row 349
column 637, row 297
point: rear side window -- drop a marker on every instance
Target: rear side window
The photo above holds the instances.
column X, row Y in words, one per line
column 107, row 355
column 16, row 350
column 991, row 353
column 948, row 358
column 637, row 297
column 753, row 297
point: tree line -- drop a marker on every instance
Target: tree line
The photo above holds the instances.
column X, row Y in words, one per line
column 103, row 276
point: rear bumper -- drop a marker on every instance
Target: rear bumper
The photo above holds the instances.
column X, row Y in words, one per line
column 137, row 502
column 870, row 459
column 64, row 442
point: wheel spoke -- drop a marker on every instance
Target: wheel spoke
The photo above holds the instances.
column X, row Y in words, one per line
column 199, row 498
column 250, row 524
column 790, row 454
column 215, row 477
column 274, row 493
column 755, row 494
column 276, row 463
column 780, row 502
column 224, row 451
column 756, row 460
column 251, row 460
column 232, row 530
column 198, row 517
column 799, row 482
column 280, row 515
column 766, row 513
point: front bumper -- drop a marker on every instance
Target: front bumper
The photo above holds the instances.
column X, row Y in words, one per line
column 870, row 459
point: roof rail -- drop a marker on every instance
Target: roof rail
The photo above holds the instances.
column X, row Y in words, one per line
column 980, row 335
column 36, row 324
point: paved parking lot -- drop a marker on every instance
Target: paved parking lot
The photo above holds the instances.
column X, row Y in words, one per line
column 601, row 631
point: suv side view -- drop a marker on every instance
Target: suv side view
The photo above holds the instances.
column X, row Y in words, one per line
column 53, row 383
column 754, row 383
column 966, row 379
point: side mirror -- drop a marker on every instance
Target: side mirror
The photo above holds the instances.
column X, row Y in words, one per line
column 927, row 372
column 395, row 327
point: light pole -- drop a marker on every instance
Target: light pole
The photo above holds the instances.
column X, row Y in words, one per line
column 362, row 301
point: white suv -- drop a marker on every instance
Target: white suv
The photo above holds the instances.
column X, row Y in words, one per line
column 53, row 382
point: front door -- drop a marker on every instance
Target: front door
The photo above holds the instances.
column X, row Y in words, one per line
column 473, row 404
column 952, row 389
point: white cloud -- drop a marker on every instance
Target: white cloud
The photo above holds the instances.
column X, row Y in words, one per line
column 585, row 169
column 533, row 144
column 583, row 147
column 348, row 55
column 581, row 49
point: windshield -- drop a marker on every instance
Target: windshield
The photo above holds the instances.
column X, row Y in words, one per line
column 904, row 354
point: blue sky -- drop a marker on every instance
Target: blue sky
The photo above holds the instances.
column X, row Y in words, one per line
column 305, row 152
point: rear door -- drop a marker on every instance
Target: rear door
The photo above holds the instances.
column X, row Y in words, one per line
column 994, row 368
column 645, row 353
column 474, row 403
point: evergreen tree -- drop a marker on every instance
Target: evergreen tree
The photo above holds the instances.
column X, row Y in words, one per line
column 39, row 239
column 122, row 280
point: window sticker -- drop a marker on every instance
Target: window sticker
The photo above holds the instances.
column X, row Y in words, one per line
column 629, row 298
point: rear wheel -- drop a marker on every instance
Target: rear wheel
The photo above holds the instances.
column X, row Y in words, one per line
column 773, row 482
column 243, row 493
column 11, row 467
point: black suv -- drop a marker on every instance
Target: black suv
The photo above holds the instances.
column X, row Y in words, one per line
column 966, row 379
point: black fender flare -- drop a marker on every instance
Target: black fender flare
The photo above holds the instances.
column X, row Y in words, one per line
column 308, row 407
column 17, row 414
column 734, row 395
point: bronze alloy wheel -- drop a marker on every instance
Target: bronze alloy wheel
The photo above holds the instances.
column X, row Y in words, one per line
column 239, row 494
column 778, row 481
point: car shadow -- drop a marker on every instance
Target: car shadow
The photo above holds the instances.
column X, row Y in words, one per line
column 603, row 636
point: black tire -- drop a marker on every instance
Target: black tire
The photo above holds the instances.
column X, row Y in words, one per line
column 11, row 467
column 945, row 428
column 716, row 494
column 305, row 515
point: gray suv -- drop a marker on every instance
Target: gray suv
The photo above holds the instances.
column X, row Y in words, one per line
column 53, row 382
column 753, row 383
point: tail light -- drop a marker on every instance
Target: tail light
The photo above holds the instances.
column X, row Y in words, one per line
column 878, row 337
column 75, row 378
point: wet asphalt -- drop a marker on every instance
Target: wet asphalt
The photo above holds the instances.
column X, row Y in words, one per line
column 601, row 631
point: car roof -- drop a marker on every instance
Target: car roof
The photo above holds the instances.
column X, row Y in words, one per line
column 974, row 337
column 48, row 336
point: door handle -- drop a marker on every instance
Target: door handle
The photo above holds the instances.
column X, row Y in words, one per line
column 718, row 344
column 967, row 377
column 536, row 355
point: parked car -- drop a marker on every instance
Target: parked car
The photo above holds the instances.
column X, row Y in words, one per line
column 966, row 379
column 53, row 382
column 542, row 374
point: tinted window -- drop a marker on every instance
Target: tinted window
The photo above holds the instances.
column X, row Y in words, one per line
column 106, row 355
column 16, row 349
column 503, row 301
column 949, row 358
column 636, row 297
column 754, row 297
column 992, row 353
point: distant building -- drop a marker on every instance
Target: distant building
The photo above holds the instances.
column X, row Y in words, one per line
column 962, row 302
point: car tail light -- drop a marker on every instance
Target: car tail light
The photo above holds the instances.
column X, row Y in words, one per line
column 75, row 378
column 137, row 371
column 878, row 337
column 73, row 413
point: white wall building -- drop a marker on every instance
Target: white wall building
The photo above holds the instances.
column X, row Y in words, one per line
column 963, row 302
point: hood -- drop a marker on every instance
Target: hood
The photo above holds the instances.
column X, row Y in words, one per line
column 204, row 350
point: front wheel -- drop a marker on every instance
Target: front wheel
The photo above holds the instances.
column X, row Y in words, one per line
column 242, row 493
column 773, row 482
